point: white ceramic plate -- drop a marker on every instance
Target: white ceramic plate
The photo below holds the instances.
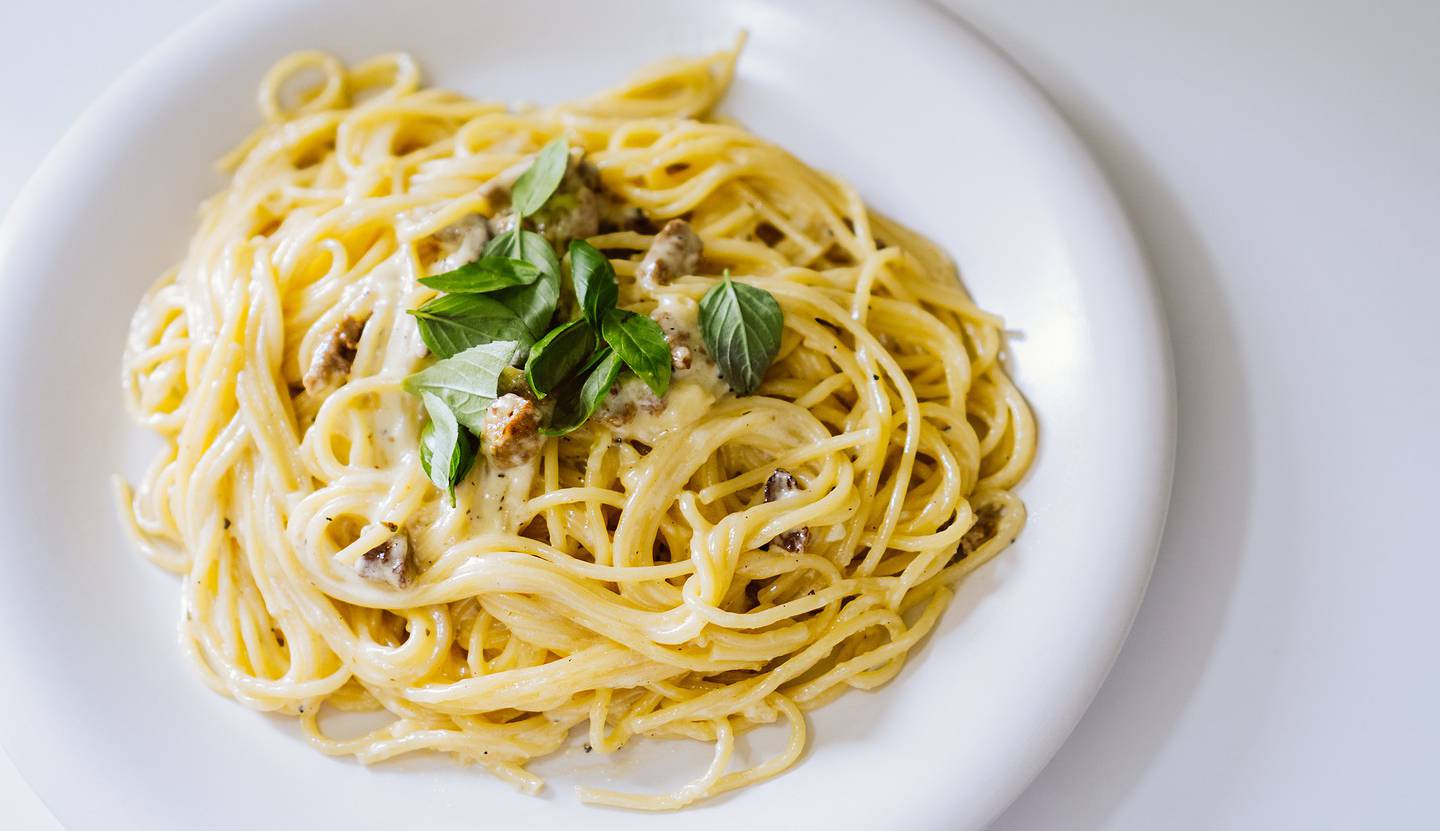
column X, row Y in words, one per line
column 114, row 729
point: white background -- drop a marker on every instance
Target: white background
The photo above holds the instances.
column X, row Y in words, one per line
column 1281, row 162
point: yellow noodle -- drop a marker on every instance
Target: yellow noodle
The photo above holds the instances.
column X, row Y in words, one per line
column 632, row 590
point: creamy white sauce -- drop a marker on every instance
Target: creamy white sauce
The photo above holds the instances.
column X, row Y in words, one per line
column 500, row 496
column 408, row 223
column 388, row 288
column 460, row 242
column 679, row 317
column 678, row 312
column 675, row 251
column 463, row 243
column 693, row 391
column 685, row 403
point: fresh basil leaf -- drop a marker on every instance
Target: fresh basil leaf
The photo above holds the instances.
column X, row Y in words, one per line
column 578, row 400
column 534, row 303
column 641, row 344
column 600, row 354
column 526, row 246
column 594, row 279
column 541, row 178
column 557, row 355
column 453, row 323
column 741, row 326
column 485, row 274
column 466, row 382
column 446, row 450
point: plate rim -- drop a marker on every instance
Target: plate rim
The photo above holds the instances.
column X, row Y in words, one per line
column 1124, row 242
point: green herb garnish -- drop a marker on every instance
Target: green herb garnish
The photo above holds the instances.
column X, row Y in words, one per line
column 466, row 382
column 594, row 277
column 453, row 323
column 540, row 179
column 638, row 340
column 741, row 326
column 497, row 313
column 557, row 355
column 484, row 275
column 446, row 450
column 578, row 400
column 534, row 303
column 641, row 344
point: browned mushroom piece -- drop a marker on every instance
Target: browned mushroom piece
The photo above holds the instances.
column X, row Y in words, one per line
column 780, row 485
column 680, row 335
column 675, row 251
column 511, row 431
column 461, row 242
column 615, row 215
column 330, row 365
column 627, row 399
column 987, row 521
column 613, row 413
column 389, row 562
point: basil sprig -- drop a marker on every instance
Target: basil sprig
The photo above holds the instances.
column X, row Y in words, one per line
column 741, row 326
column 500, row 308
column 641, row 344
column 510, row 293
column 466, row 383
column 484, row 275
column 578, row 400
column 453, row 323
column 594, row 278
column 493, row 310
column 557, row 355
column 540, row 179
column 637, row 340
column 534, row 304
column 446, row 450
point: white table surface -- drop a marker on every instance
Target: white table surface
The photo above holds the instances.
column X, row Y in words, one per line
column 1281, row 162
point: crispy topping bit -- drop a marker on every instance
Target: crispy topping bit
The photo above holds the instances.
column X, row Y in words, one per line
column 682, row 332
column 615, row 413
column 987, row 521
column 675, row 252
column 330, row 365
column 388, row 562
column 780, row 485
column 617, row 216
column 461, row 242
column 627, row 399
column 511, row 434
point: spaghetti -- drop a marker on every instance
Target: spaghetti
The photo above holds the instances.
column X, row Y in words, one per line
column 633, row 578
